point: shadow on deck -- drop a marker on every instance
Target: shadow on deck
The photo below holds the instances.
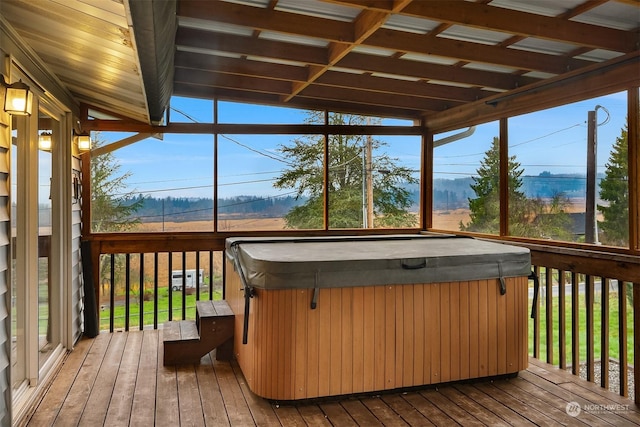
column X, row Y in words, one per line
column 119, row 379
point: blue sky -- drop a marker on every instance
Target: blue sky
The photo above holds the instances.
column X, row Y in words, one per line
column 182, row 165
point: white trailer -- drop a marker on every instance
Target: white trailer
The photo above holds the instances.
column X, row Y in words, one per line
column 190, row 279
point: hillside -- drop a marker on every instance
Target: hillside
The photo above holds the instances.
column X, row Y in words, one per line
column 448, row 194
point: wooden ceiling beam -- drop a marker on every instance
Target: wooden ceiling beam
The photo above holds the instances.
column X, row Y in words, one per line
column 312, row 55
column 473, row 52
column 212, row 41
column 214, row 79
column 388, row 100
column 204, row 79
column 525, row 24
column 365, row 24
column 267, row 19
column 181, row 89
column 429, row 71
column 600, row 79
column 388, row 85
column 367, row 31
column 244, row 67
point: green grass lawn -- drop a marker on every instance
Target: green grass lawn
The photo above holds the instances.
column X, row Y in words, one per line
column 148, row 309
column 582, row 319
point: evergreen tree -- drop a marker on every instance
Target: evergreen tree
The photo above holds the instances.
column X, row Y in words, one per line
column 527, row 217
column 305, row 157
column 485, row 207
column 614, row 188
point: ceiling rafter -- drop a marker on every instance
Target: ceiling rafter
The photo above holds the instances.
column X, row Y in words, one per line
column 298, row 102
column 324, row 90
column 338, row 32
column 473, row 52
column 365, row 24
column 512, row 21
column 330, row 78
column 315, row 57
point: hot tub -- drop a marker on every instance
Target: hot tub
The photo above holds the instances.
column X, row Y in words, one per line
column 330, row 316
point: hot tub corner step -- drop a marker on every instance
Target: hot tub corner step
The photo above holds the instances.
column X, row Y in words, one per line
column 186, row 341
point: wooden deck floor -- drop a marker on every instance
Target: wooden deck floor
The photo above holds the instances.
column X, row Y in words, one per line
column 118, row 380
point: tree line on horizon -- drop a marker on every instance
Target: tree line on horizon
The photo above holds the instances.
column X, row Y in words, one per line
column 537, row 208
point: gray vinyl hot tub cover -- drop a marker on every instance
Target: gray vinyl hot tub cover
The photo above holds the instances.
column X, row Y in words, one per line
column 284, row 263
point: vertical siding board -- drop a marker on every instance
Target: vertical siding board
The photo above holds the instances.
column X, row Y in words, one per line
column 454, row 321
column 436, row 330
column 483, row 325
column 445, row 332
column 464, row 330
column 418, row 333
column 512, row 321
column 347, row 341
column 288, row 330
column 299, row 347
column 379, row 340
column 502, row 329
column 400, row 339
column 368, row 339
column 324, row 334
column 358, row 338
column 427, row 333
column 390, row 337
column 313, row 348
column 492, row 329
column 408, row 335
column 336, row 354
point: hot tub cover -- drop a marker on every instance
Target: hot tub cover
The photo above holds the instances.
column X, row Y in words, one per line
column 284, row 263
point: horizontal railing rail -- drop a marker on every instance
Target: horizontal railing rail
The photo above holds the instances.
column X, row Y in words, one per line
column 583, row 319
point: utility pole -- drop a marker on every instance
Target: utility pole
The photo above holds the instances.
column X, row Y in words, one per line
column 369, row 175
column 365, row 216
column 590, row 223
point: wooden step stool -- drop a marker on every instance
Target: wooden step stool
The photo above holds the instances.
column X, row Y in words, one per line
column 186, row 341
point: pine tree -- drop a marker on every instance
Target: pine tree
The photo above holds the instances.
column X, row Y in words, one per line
column 614, row 188
column 305, row 173
column 485, row 207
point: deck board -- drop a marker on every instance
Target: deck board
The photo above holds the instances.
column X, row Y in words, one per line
column 119, row 379
column 75, row 402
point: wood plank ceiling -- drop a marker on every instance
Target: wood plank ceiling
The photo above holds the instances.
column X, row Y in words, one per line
column 396, row 58
column 390, row 57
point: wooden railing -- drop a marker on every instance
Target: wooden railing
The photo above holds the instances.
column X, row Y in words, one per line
column 587, row 299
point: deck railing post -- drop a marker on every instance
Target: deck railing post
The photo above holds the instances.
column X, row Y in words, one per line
column 622, row 333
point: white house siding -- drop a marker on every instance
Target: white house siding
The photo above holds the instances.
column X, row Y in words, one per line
column 5, row 297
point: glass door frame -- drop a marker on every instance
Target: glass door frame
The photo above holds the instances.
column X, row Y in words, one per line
column 27, row 234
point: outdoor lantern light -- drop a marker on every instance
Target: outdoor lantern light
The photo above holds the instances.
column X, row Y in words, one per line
column 84, row 142
column 45, row 141
column 17, row 98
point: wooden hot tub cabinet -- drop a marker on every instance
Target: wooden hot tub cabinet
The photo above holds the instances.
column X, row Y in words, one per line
column 364, row 338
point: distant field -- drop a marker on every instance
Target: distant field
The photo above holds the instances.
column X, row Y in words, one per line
column 224, row 225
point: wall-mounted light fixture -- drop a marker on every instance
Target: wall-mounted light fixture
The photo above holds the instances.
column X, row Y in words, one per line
column 17, row 98
column 45, row 141
column 84, row 141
